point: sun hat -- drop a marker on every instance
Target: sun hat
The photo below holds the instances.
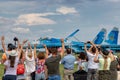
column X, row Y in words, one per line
column 13, row 53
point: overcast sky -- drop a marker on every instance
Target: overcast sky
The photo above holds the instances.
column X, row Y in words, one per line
column 32, row 19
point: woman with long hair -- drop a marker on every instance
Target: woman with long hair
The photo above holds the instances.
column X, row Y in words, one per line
column 104, row 65
column 13, row 55
column 114, row 65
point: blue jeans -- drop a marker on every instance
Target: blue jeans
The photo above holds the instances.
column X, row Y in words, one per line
column 55, row 77
column 10, row 77
column 92, row 74
column 40, row 76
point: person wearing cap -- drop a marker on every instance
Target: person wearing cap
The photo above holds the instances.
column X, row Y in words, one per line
column 4, row 56
column 9, row 49
column 11, row 62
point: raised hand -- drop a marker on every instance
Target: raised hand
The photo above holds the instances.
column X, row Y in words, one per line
column 2, row 38
column 29, row 44
column 25, row 41
column 35, row 45
column 88, row 42
column 44, row 45
column 62, row 40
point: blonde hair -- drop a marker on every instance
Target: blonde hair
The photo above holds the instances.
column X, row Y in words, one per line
column 105, row 63
column 105, row 54
column 12, row 61
column 29, row 54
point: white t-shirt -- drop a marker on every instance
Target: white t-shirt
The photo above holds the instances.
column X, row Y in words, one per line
column 10, row 70
column 91, row 63
column 83, row 64
column 29, row 63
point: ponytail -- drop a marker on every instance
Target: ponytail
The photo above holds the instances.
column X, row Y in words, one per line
column 105, row 63
column 105, row 56
column 12, row 61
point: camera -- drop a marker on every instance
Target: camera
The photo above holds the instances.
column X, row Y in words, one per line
column 15, row 39
column 88, row 41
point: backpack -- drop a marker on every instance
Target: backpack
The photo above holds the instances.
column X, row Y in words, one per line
column 20, row 69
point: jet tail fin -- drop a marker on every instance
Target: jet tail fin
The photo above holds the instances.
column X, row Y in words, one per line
column 71, row 35
column 100, row 37
column 113, row 36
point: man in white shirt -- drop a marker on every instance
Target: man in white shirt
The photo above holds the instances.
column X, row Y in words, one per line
column 92, row 66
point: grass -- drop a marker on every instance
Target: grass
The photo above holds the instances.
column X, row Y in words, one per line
column 61, row 70
column 1, row 69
